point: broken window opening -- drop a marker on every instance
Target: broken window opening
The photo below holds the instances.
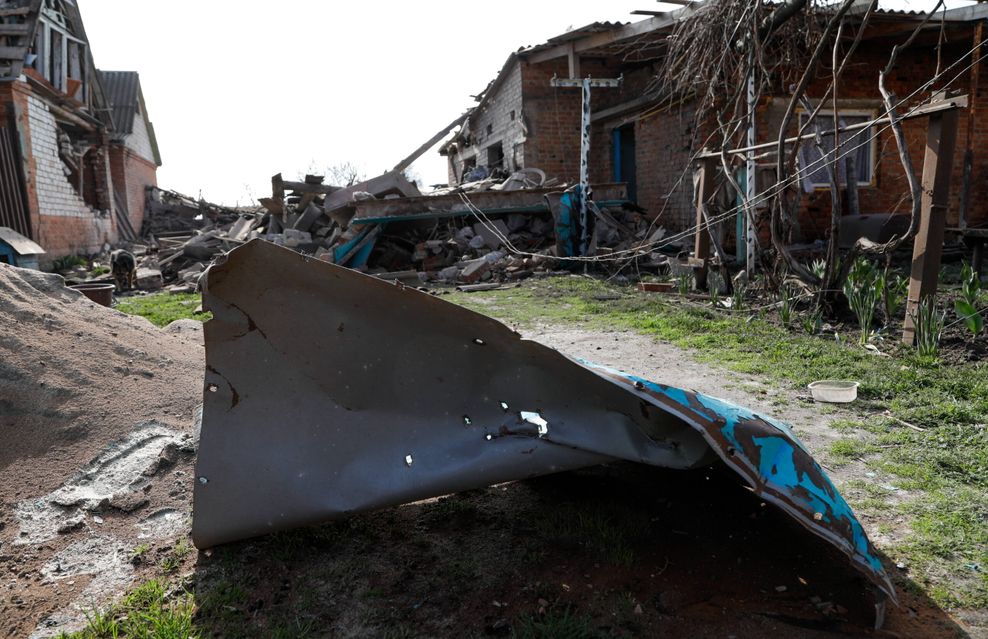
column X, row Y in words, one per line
column 469, row 164
column 495, row 156
column 84, row 168
column 57, row 54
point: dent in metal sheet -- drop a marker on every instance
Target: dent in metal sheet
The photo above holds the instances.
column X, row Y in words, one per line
column 418, row 398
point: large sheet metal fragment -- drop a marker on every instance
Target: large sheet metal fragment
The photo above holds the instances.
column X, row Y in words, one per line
column 329, row 392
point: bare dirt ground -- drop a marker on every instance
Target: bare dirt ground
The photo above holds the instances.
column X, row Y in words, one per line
column 97, row 416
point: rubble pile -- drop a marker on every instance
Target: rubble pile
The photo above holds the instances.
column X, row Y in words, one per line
column 495, row 228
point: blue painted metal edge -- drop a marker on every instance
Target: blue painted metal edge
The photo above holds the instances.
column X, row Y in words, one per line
column 774, row 463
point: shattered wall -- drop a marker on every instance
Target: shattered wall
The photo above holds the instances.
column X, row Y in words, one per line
column 65, row 223
column 497, row 123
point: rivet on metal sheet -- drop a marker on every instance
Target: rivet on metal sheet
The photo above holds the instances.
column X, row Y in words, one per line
column 408, row 460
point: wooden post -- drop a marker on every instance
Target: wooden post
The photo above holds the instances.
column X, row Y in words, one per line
column 278, row 195
column 938, row 162
column 701, row 249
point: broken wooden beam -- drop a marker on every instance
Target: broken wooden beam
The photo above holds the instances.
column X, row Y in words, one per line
column 407, row 162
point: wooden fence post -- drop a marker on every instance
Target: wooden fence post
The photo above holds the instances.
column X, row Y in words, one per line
column 938, row 163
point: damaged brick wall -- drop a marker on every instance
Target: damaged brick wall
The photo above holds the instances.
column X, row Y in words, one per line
column 496, row 124
column 65, row 223
column 553, row 116
column 132, row 174
column 663, row 139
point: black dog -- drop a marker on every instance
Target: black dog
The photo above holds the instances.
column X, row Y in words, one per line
column 123, row 264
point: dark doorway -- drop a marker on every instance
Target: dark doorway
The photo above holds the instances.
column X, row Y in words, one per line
column 624, row 159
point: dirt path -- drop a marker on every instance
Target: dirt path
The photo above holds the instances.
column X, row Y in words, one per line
column 668, row 364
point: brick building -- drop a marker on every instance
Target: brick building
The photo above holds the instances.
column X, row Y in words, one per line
column 642, row 137
column 69, row 170
column 134, row 156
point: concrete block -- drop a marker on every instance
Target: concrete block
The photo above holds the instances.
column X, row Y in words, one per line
column 490, row 237
column 149, row 279
column 474, row 270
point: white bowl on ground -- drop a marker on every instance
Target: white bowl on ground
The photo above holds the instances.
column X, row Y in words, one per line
column 834, row 391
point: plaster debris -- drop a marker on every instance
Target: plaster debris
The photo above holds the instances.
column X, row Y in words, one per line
column 120, row 471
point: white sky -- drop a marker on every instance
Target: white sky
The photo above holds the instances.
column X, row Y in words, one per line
column 239, row 90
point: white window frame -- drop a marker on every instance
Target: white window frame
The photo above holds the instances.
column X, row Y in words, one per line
column 52, row 21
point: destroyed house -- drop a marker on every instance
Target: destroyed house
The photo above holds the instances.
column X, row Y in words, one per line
column 76, row 146
column 645, row 137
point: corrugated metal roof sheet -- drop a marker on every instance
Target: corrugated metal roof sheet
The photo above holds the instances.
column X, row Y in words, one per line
column 123, row 93
column 574, row 34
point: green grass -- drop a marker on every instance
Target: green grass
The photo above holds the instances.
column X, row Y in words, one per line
column 843, row 451
column 163, row 308
column 945, row 465
column 148, row 612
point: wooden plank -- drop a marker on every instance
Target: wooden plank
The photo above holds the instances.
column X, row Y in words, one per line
column 701, row 245
column 938, row 163
column 13, row 53
column 604, row 194
column 936, row 106
column 404, row 164
column 14, row 29
column 305, row 187
column 385, row 184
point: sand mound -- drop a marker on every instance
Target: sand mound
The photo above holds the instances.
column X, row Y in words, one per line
column 96, row 419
